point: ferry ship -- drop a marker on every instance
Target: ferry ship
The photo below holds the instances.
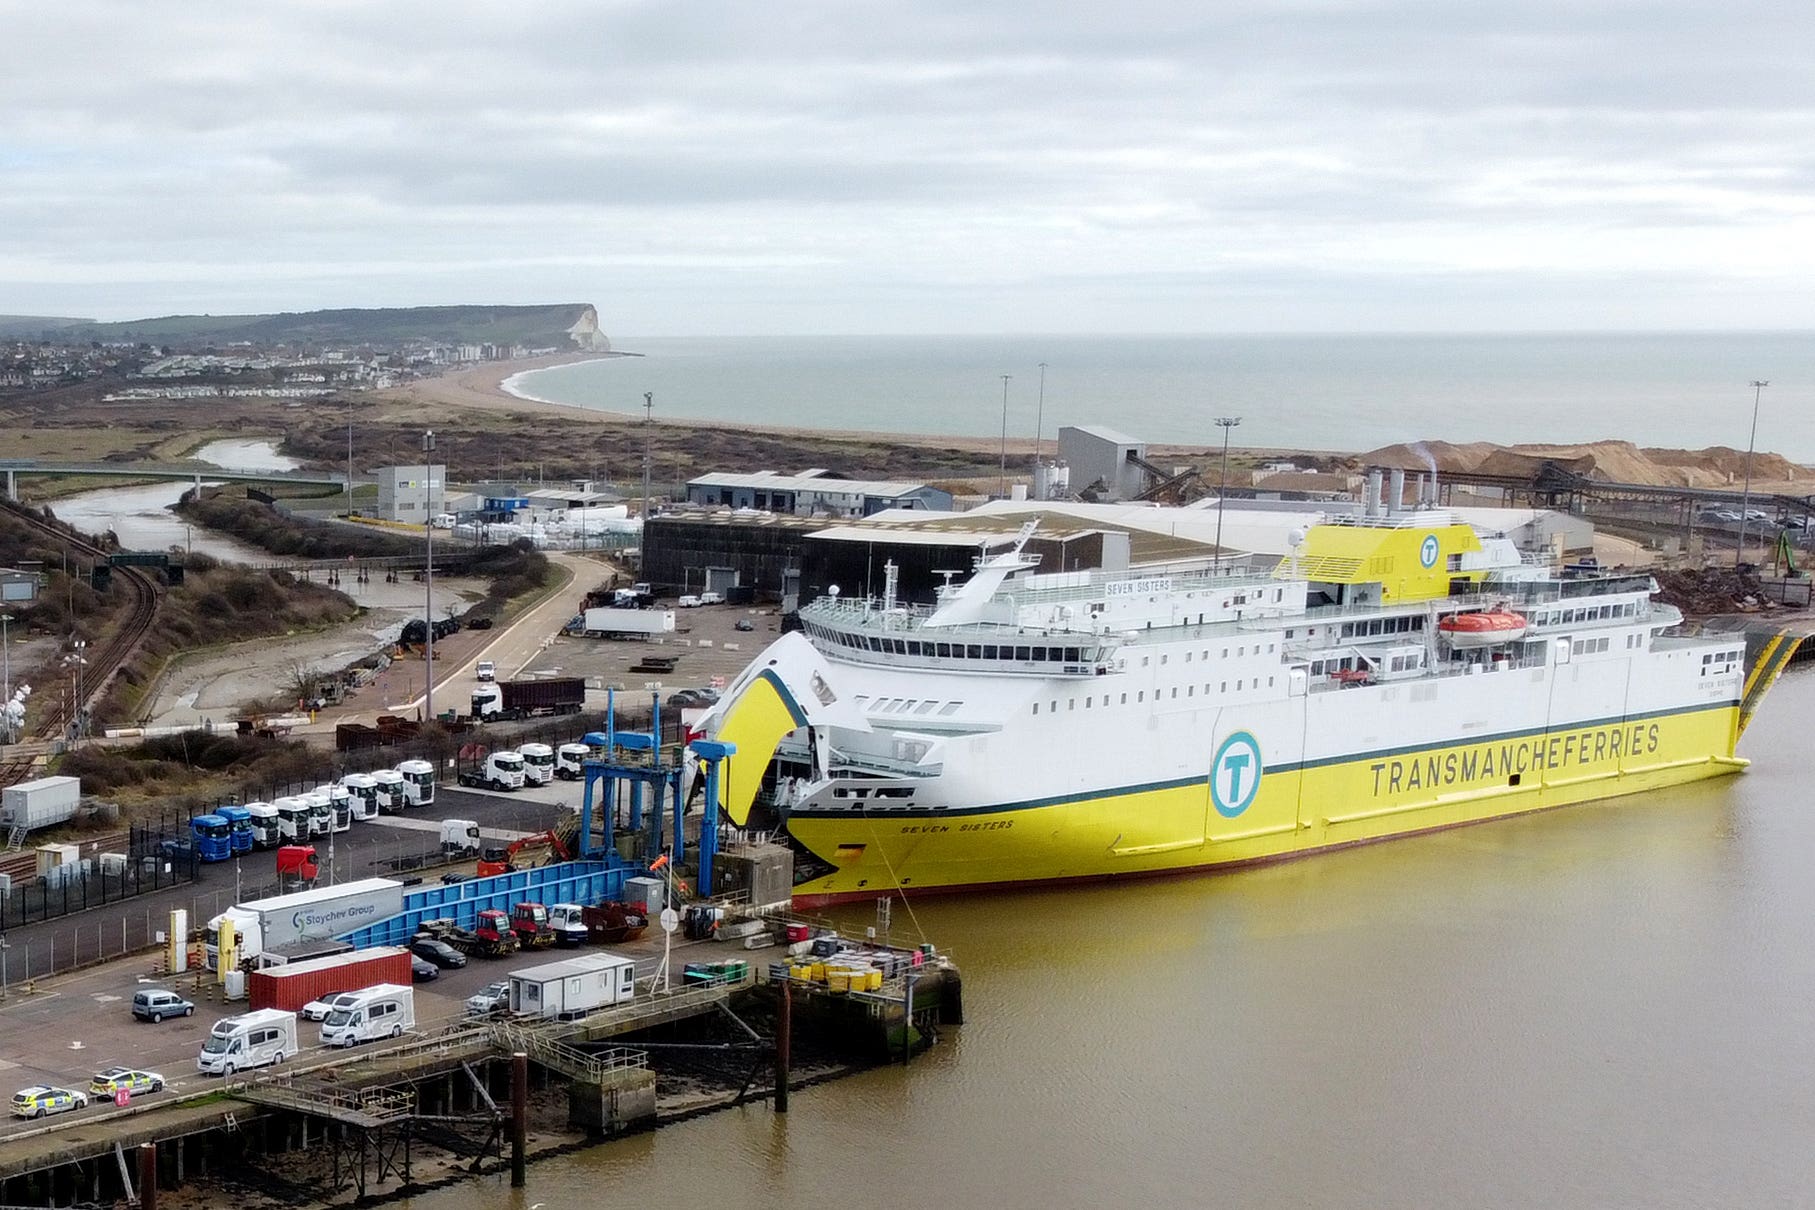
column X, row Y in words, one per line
column 1394, row 673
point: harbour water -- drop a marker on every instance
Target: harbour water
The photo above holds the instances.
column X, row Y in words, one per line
column 1604, row 1006
column 141, row 517
column 1315, row 392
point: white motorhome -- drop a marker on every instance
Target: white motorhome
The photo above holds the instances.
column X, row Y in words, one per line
column 418, row 782
column 538, row 764
column 254, row 1039
column 364, row 793
column 389, row 788
column 267, row 828
column 292, row 819
column 384, row 1010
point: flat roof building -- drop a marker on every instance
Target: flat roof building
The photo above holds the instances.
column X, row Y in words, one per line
column 814, row 492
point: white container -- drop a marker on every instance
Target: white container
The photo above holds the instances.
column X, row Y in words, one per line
column 40, row 804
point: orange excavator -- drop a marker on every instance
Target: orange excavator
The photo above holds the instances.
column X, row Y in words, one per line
column 503, row 861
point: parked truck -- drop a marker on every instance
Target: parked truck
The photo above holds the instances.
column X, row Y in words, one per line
column 570, row 761
column 612, row 623
column 498, row 771
column 322, row 912
column 504, row 700
column 572, row 988
column 417, row 788
column 42, row 803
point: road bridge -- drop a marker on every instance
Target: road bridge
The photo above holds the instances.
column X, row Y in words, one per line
column 197, row 471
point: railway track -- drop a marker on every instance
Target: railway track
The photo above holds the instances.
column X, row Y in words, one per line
column 104, row 661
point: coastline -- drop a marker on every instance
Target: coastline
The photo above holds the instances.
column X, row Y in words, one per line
column 487, row 388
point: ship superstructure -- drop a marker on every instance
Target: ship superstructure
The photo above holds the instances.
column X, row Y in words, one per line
column 1395, row 673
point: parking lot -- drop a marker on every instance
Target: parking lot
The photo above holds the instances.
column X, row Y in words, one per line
column 705, row 644
column 79, row 1024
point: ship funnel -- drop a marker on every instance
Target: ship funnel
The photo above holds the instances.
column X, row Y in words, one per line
column 1396, row 499
column 1370, row 500
column 1435, row 501
column 1418, row 490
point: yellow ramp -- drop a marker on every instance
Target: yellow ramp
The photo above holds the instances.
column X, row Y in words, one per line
column 762, row 714
column 1772, row 660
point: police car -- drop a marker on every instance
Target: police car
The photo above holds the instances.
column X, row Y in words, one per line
column 40, row 1099
column 107, row 1083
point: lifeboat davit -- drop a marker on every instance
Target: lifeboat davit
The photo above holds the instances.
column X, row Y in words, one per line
column 1483, row 629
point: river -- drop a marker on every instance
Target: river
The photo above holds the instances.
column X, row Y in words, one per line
column 1604, row 1006
column 141, row 516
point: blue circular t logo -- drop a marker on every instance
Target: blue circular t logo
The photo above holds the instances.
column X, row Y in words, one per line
column 1427, row 552
column 1235, row 775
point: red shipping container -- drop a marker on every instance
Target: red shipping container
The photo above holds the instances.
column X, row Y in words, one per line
column 294, row 984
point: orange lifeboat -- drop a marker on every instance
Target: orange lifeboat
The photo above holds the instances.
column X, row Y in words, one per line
column 1484, row 629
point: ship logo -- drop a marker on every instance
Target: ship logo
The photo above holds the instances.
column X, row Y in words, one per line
column 1427, row 550
column 1235, row 774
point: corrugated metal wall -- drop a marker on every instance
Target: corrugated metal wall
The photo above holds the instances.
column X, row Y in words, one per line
column 569, row 882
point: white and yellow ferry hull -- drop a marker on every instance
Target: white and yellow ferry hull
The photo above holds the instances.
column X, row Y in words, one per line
column 1297, row 809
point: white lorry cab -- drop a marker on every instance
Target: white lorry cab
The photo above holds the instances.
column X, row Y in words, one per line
column 538, row 764
column 340, row 805
column 418, row 782
column 254, row 1039
column 267, row 829
column 389, row 788
column 292, row 819
column 570, row 761
column 321, row 812
column 364, row 793
column 384, row 1010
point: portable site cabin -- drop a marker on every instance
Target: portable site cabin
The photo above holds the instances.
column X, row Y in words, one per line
column 572, row 988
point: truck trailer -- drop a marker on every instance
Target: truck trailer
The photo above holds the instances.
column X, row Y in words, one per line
column 610, row 623
column 503, row 700
column 305, row 915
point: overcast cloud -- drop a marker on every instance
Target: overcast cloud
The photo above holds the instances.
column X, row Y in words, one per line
column 861, row 167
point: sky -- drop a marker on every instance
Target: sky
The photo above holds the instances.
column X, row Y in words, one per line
column 712, row 168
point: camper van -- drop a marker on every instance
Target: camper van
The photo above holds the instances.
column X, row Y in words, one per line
column 384, row 1010
column 254, row 1039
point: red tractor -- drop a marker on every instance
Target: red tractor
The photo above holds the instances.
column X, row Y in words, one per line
column 530, row 922
column 493, row 934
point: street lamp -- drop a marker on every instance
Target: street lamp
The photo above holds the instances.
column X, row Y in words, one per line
column 1225, row 423
column 1039, row 412
column 74, row 662
column 428, row 578
column 1745, row 499
column 1004, row 491
column 349, row 456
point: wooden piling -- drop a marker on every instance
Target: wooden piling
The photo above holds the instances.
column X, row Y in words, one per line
column 148, row 1176
column 519, row 1119
column 784, row 1033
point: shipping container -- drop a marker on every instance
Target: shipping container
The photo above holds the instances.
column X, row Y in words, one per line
column 294, row 984
column 43, row 803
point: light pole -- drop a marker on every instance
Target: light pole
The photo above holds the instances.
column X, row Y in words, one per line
column 428, row 578
column 6, row 659
column 349, row 457
column 1039, row 412
column 1004, row 488
column 1745, row 499
column 648, row 420
column 74, row 662
column 1225, row 423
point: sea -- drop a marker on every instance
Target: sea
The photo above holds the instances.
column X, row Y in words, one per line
column 1321, row 392
column 1607, row 1006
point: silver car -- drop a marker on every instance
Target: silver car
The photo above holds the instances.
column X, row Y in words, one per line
column 494, row 999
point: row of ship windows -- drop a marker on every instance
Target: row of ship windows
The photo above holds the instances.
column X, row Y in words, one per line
column 1092, row 701
column 1399, row 625
column 1205, row 654
column 1587, row 613
column 906, row 705
column 961, row 651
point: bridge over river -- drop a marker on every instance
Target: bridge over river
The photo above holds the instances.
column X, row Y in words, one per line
column 196, row 471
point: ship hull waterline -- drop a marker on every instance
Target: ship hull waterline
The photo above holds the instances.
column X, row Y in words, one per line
column 1156, row 831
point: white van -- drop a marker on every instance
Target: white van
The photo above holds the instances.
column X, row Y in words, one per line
column 486, row 670
column 687, row 602
column 254, row 1039
column 384, row 1010
column 712, row 598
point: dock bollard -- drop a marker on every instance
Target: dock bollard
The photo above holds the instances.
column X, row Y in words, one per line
column 519, row 1119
